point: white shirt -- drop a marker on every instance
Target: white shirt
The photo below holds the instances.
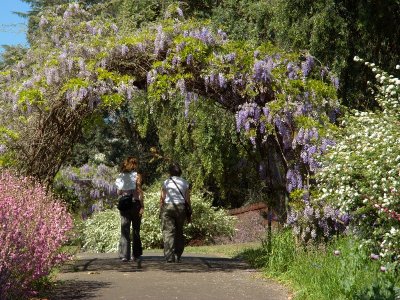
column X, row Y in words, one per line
column 172, row 194
column 126, row 181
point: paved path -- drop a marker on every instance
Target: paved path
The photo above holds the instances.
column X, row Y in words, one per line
column 197, row 277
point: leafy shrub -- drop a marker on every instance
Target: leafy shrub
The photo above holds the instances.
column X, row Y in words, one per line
column 102, row 231
column 34, row 225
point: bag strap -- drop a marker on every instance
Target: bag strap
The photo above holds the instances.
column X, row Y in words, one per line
column 136, row 176
column 178, row 189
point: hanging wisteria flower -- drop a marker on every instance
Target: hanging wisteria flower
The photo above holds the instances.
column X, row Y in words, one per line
column 307, row 65
column 262, row 71
column 43, row 21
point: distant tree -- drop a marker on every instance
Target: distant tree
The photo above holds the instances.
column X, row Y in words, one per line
column 11, row 55
column 335, row 32
column 243, row 19
column 39, row 6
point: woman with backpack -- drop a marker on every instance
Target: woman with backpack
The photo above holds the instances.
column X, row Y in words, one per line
column 129, row 186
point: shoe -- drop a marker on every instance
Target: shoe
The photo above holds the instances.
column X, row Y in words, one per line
column 138, row 261
column 124, row 259
column 171, row 259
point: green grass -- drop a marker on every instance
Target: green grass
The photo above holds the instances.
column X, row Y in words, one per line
column 228, row 250
column 316, row 273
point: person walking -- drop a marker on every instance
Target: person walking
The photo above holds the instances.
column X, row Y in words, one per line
column 175, row 192
column 129, row 183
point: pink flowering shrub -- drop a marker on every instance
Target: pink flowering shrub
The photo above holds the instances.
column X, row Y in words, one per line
column 33, row 227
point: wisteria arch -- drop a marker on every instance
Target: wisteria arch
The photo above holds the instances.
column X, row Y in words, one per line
column 81, row 65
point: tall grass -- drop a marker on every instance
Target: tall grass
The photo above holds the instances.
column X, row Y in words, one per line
column 339, row 270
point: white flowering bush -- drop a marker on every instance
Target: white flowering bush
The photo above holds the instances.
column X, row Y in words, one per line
column 360, row 175
column 101, row 232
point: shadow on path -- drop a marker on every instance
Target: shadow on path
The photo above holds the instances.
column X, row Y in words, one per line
column 76, row 289
column 104, row 276
column 110, row 262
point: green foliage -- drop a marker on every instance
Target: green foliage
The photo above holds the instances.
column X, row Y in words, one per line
column 243, row 19
column 332, row 31
column 275, row 255
column 338, row 271
column 11, row 55
column 110, row 101
column 134, row 14
column 31, row 96
column 7, row 158
column 204, row 143
column 335, row 31
column 102, row 231
column 74, row 83
column 141, row 115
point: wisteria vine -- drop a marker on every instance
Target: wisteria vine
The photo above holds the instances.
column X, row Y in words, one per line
column 279, row 98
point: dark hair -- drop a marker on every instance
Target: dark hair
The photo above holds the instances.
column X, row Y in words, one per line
column 129, row 164
column 174, row 169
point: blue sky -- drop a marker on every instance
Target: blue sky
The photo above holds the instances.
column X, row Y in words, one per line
column 12, row 29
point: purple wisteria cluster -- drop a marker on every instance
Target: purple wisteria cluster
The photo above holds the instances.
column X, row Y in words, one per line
column 284, row 126
column 294, row 179
column 247, row 115
column 262, row 70
column 215, row 80
column 72, row 10
column 306, row 138
column 93, row 185
column 307, row 65
column 293, row 70
column 316, row 223
column 161, row 40
column 206, row 35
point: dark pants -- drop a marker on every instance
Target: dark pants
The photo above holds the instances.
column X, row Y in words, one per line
column 127, row 218
column 173, row 218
